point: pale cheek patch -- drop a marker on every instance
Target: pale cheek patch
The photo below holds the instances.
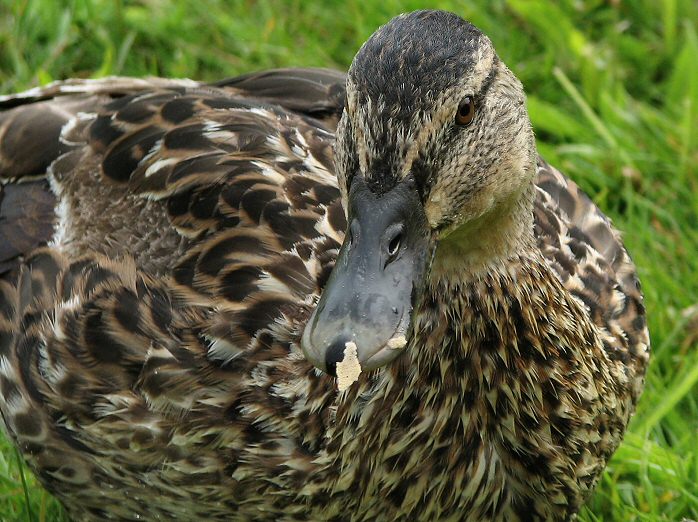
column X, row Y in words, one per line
column 349, row 368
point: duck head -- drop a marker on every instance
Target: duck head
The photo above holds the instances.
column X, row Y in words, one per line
column 435, row 159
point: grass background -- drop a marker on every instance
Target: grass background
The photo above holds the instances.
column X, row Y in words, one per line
column 613, row 96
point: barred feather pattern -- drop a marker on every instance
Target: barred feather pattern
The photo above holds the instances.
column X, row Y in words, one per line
column 149, row 359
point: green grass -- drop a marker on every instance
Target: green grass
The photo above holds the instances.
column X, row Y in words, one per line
column 613, row 96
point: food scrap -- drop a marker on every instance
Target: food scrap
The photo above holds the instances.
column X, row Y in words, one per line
column 396, row 343
column 349, row 368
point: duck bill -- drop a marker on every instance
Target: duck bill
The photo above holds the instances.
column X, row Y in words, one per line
column 371, row 293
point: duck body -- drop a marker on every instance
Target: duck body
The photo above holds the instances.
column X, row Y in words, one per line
column 165, row 244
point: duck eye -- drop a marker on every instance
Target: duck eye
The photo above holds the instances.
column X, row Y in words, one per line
column 466, row 111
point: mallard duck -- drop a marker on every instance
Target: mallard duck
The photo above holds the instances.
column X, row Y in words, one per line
column 186, row 267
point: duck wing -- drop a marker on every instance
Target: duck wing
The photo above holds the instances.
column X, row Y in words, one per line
column 31, row 123
column 319, row 93
column 188, row 229
column 587, row 253
column 222, row 189
column 134, row 132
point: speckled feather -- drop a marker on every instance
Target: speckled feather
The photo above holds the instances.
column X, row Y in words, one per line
column 149, row 358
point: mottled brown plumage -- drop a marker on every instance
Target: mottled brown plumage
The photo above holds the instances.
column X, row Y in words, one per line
column 164, row 242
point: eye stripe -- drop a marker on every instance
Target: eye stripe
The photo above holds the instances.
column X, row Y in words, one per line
column 489, row 80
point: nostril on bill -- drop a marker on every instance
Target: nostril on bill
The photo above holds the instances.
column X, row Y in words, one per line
column 334, row 354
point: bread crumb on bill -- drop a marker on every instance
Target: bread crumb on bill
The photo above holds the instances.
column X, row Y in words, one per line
column 349, row 368
column 396, row 343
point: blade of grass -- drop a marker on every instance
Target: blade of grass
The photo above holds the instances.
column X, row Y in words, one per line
column 27, row 504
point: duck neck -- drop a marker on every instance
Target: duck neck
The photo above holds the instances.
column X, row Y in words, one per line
column 504, row 232
column 489, row 288
column 476, row 333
